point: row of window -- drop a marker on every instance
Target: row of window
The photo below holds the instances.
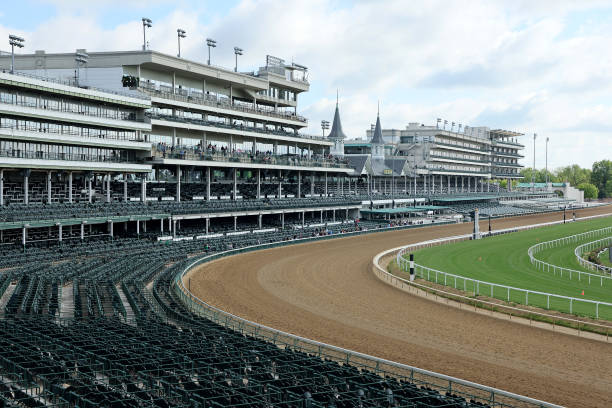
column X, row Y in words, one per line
column 11, row 148
column 65, row 129
column 65, row 105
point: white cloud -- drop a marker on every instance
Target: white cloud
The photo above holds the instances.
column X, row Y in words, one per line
column 523, row 65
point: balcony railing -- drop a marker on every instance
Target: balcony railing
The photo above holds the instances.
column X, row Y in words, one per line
column 508, row 142
column 494, row 163
column 212, row 101
column 439, row 156
column 40, row 155
column 483, row 149
column 190, row 153
column 67, row 132
column 433, row 168
column 243, row 128
column 127, row 116
column 74, row 84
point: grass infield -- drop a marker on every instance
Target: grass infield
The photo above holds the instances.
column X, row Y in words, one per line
column 503, row 260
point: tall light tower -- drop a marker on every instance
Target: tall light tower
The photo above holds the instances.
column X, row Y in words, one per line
column 146, row 22
column 180, row 33
column 324, row 126
column 80, row 58
column 438, row 123
column 547, row 138
column 535, row 135
column 210, row 43
column 237, row 52
column 14, row 41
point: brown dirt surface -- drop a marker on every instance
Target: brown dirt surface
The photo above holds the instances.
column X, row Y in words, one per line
column 326, row 291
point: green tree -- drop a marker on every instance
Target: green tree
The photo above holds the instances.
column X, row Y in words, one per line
column 602, row 173
column 590, row 191
column 573, row 174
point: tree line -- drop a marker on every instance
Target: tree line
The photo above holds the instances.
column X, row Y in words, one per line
column 596, row 182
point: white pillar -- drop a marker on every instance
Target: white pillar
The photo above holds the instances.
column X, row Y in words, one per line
column 82, row 231
column 70, row 187
column 299, row 186
column 235, row 186
column 258, row 184
column 280, row 184
column 235, row 223
column 110, row 225
column 23, row 236
column 59, row 235
column 137, row 227
column 260, row 216
column 161, row 226
column 1, row 187
column 26, row 197
column 49, row 187
column 143, row 189
column 108, row 188
column 89, row 191
column 178, row 182
column 208, row 183
column 325, row 184
column 312, row 181
column 207, row 225
column 125, row 188
column 282, row 220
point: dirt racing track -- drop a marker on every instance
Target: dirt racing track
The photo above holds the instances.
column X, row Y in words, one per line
column 326, row 291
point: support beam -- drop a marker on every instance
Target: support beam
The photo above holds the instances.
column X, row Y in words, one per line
column 178, row 183
column 208, row 184
column 312, row 181
column 325, row 184
column 82, row 231
column 258, row 184
column 299, row 186
column 59, row 233
column 70, row 187
column 89, row 190
column 125, row 188
column 23, row 236
column 161, row 226
column 235, row 223
column 110, row 226
column 26, row 195
column 108, row 188
column 49, row 187
column 280, row 184
column 259, row 219
column 282, row 220
column 143, row 189
column 235, row 185
column 1, row 187
column 138, row 228
column 207, row 225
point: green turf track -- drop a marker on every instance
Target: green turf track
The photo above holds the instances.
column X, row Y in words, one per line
column 605, row 258
column 504, row 260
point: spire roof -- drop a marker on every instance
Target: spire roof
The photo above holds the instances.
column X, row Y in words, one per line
column 377, row 137
column 336, row 130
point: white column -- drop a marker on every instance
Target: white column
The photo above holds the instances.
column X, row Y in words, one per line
column 258, row 184
column 26, row 196
column 303, row 216
column 89, row 191
column 178, row 182
column 161, row 226
column 23, row 236
column 260, row 216
column 325, row 184
column 1, row 187
column 280, row 184
column 208, row 183
column 137, row 227
column 59, row 235
column 125, row 188
column 235, row 223
column 49, row 187
column 207, row 225
column 108, row 188
column 82, row 231
column 312, row 181
column 283, row 220
column 299, row 186
column 235, row 187
column 143, row 189
column 110, row 225
column 70, row 187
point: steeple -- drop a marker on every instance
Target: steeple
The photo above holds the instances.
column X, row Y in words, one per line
column 336, row 132
column 377, row 137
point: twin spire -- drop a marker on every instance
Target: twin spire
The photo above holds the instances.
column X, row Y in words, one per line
column 336, row 132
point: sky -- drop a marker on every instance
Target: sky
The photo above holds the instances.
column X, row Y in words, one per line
column 529, row 66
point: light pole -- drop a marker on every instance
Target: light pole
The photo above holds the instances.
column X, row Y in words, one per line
column 237, row 51
column 445, row 123
column 146, row 22
column 80, row 58
column 546, row 168
column 535, row 135
column 324, row 126
column 211, row 44
column 180, row 33
column 14, row 41
column 438, row 123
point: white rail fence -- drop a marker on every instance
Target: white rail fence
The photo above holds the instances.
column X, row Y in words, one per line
column 591, row 246
column 548, row 267
column 503, row 292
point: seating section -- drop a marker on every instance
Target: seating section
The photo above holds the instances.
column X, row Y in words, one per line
column 97, row 323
